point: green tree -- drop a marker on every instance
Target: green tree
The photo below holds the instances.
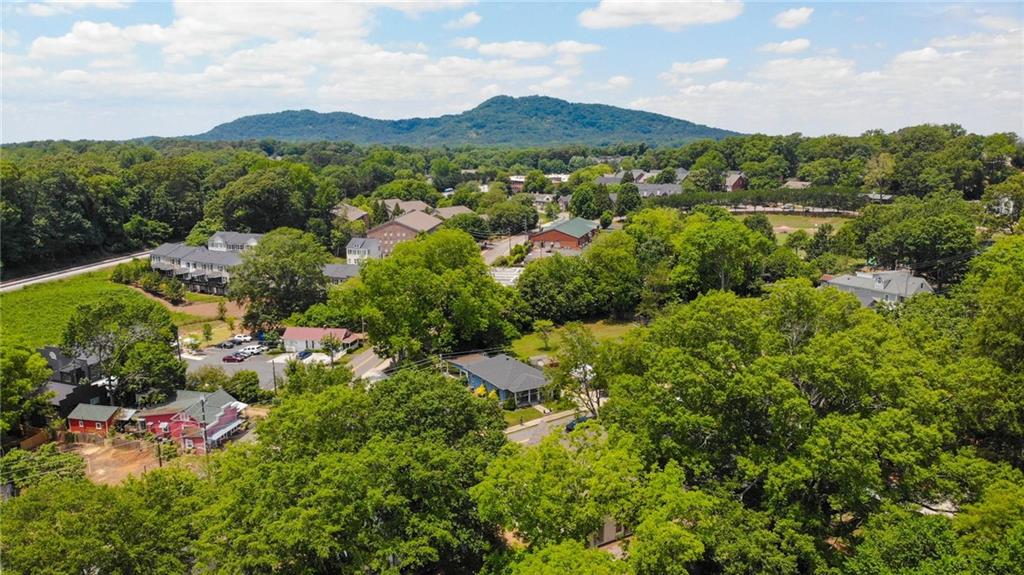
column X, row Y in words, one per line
column 245, row 386
column 617, row 280
column 149, row 369
column 22, row 373
column 282, row 275
column 722, row 254
column 44, row 465
column 330, row 344
column 558, row 288
column 207, row 378
column 569, row 557
column 581, row 370
column 544, row 327
column 628, row 199
column 760, row 224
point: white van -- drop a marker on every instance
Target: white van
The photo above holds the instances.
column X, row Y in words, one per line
column 249, row 350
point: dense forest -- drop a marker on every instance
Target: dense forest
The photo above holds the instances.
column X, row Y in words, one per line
column 502, row 120
column 63, row 200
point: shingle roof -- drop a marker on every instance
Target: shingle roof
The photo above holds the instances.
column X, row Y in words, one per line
column 190, row 402
column 657, row 190
column 90, row 412
column 506, row 373
column 349, row 212
column 406, row 205
column 341, row 271
column 205, row 256
column 178, row 400
column 445, row 213
column 314, row 333
column 363, row 244
column 900, row 283
column 732, row 176
column 576, row 227
column 236, row 238
column 214, row 406
column 419, row 221
column 60, row 391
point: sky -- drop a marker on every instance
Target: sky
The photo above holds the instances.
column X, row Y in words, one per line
column 121, row 69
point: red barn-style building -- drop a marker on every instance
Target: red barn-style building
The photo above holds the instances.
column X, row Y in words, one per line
column 89, row 418
column 572, row 234
column 193, row 419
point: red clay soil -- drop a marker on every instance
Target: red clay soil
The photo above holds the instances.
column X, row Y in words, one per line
column 204, row 310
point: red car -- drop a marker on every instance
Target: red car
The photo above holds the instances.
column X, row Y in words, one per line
column 233, row 358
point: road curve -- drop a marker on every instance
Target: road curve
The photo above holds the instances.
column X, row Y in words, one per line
column 68, row 272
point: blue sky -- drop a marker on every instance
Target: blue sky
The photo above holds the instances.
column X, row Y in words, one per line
column 115, row 70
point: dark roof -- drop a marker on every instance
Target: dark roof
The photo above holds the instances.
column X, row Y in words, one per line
column 504, row 372
column 341, row 271
column 363, row 244
column 60, row 391
column 205, row 256
column 90, row 412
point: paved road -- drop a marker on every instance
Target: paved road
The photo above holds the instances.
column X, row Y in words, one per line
column 366, row 362
column 68, row 272
column 502, row 247
column 267, row 370
column 532, row 434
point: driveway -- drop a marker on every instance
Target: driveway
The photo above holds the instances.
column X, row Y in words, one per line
column 367, row 362
column 501, row 247
column 531, row 432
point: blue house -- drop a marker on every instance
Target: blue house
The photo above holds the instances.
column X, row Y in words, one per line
column 508, row 377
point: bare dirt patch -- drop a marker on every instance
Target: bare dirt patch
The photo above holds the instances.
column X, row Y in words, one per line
column 109, row 465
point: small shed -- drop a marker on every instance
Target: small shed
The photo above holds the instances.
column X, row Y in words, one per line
column 89, row 418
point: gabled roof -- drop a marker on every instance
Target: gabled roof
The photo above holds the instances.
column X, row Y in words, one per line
column 869, row 287
column 445, row 213
column 504, row 372
column 208, row 412
column 235, row 238
column 418, row 221
column 315, row 333
column 407, row 205
column 347, row 211
column 173, row 250
column 205, row 256
column 341, row 271
column 176, row 401
column 576, row 227
column 90, row 412
column 363, row 244
column 657, row 190
column 732, row 176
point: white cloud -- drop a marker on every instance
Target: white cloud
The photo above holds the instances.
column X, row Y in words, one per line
column 1000, row 23
column 467, row 43
column 467, row 20
column 793, row 18
column 54, row 7
column 92, row 38
column 619, row 82
column 680, row 69
column 787, row 47
column 974, row 80
column 668, row 15
column 516, row 49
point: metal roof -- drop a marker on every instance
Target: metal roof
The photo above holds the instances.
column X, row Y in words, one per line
column 576, row 227
column 90, row 412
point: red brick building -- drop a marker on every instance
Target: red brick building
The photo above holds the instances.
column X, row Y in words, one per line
column 403, row 228
column 572, row 234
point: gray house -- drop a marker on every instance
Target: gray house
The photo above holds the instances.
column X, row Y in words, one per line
column 508, row 377
column 886, row 288
column 232, row 241
column 200, row 269
column 340, row 273
column 359, row 249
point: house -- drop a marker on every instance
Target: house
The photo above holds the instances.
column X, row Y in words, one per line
column 91, row 418
column 359, row 249
column 65, row 397
column 192, row 419
column 296, row 339
column 557, row 178
column 571, row 234
column 201, row 269
column 735, row 181
column 340, row 273
column 638, row 177
column 541, row 201
column 658, row 190
column 406, row 206
column 516, row 183
column 451, row 211
column 74, row 370
column 232, row 241
column 649, row 177
column 873, row 288
column 879, row 198
column 795, row 184
column 506, row 376
column 403, row 228
column 350, row 213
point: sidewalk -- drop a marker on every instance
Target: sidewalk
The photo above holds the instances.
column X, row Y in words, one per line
column 546, row 419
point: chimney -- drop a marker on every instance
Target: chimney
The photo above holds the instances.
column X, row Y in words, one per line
column 878, row 281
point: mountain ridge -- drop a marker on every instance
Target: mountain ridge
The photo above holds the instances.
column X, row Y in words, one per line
column 500, row 120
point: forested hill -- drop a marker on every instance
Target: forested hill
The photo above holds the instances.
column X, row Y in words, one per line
column 502, row 120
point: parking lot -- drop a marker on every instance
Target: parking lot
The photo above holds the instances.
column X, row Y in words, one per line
column 269, row 368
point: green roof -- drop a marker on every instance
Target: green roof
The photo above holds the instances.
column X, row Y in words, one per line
column 576, row 227
column 90, row 412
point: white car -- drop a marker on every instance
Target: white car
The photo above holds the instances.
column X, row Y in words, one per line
column 242, row 338
column 250, row 350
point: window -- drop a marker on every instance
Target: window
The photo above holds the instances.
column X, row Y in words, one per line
column 99, row 425
column 81, row 423
column 189, row 444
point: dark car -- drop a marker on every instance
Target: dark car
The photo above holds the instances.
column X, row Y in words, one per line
column 233, row 358
column 226, row 344
column 578, row 421
column 303, row 354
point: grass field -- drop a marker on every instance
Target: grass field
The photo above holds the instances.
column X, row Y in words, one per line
column 532, row 344
column 521, row 415
column 800, row 222
column 193, row 297
column 39, row 312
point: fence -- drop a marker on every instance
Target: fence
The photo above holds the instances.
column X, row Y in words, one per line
column 40, row 437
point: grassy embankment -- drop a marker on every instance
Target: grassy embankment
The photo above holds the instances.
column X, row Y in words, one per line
column 38, row 313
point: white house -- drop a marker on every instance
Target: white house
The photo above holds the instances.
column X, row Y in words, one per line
column 298, row 339
column 359, row 249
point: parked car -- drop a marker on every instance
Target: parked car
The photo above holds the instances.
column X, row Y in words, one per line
column 242, row 338
column 250, row 350
column 578, row 421
column 264, row 349
column 303, row 354
column 233, row 358
column 226, row 344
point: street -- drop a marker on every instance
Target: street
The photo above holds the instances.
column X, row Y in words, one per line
column 68, row 272
column 501, row 247
column 533, row 431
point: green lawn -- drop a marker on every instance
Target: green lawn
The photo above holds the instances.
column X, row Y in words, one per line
column 38, row 313
column 521, row 415
column 193, row 297
column 800, row 222
column 531, row 344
